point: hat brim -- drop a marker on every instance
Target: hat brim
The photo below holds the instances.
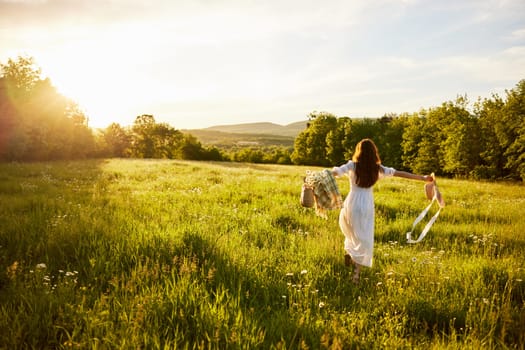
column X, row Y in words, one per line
column 432, row 191
column 429, row 190
column 439, row 197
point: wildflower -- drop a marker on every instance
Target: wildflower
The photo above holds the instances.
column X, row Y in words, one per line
column 41, row 266
column 414, row 259
column 321, row 305
column 69, row 274
column 284, row 296
column 289, row 274
column 304, row 272
column 390, row 273
column 519, row 280
column 379, row 284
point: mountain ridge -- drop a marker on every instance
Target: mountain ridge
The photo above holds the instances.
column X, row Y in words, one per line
column 264, row 128
column 249, row 134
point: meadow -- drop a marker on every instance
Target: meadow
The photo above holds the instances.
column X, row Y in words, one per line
column 167, row 254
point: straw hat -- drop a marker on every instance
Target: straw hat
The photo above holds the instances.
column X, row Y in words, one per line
column 431, row 191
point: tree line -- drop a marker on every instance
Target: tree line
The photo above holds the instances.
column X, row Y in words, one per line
column 38, row 124
column 484, row 142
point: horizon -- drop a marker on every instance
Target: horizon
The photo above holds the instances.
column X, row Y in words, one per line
column 194, row 64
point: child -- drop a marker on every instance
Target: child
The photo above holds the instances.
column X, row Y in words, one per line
column 356, row 218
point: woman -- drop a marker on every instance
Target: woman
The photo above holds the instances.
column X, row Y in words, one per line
column 356, row 218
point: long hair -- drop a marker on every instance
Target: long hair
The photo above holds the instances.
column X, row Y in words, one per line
column 367, row 163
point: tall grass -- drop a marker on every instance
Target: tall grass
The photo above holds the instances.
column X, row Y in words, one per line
column 194, row 255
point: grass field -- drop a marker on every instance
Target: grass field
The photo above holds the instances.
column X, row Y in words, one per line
column 146, row 254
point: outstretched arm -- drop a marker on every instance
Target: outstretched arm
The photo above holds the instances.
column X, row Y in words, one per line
column 407, row 175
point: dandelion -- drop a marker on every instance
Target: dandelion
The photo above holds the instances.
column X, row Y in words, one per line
column 304, row 272
column 41, row 266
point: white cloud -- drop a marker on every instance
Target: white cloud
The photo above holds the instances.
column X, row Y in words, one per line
column 517, row 35
column 507, row 65
column 234, row 58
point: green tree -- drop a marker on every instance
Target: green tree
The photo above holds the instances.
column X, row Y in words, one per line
column 155, row 140
column 118, row 140
column 37, row 122
column 167, row 142
column 418, row 151
column 513, row 140
column 143, row 139
column 21, row 75
column 310, row 147
column 213, row 153
column 191, row 148
column 459, row 147
column 491, row 127
column 391, row 130
column 335, row 141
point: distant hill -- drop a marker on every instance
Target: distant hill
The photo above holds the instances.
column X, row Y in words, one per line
column 249, row 134
column 264, row 128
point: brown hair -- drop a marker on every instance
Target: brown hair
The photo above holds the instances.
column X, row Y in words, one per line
column 367, row 163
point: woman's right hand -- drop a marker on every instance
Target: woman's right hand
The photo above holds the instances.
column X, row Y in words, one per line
column 428, row 178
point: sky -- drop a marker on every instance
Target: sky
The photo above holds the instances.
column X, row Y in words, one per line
column 195, row 64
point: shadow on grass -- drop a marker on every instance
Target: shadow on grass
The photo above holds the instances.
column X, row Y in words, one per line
column 252, row 303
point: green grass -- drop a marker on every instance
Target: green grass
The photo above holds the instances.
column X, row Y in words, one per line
column 195, row 255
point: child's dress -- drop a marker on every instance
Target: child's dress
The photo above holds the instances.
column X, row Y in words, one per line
column 356, row 218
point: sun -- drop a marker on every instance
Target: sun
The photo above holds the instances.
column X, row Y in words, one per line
column 98, row 78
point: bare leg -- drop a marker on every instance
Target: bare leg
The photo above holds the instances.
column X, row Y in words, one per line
column 348, row 260
column 357, row 271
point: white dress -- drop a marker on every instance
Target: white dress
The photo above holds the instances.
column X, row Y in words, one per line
column 356, row 218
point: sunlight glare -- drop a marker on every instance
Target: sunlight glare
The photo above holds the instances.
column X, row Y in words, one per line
column 100, row 77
